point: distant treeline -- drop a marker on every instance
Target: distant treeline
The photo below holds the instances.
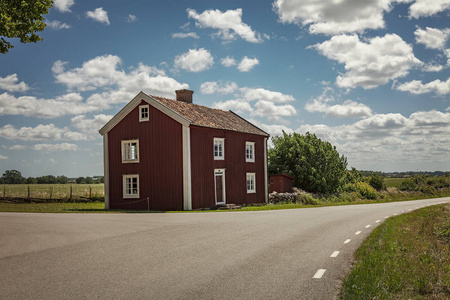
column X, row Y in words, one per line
column 405, row 174
column 15, row 177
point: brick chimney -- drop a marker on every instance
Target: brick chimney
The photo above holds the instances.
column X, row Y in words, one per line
column 184, row 95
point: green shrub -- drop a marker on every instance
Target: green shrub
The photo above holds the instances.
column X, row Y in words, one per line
column 377, row 182
column 363, row 189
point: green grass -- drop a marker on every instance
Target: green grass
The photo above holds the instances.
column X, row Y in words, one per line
column 393, row 182
column 57, row 191
column 407, row 257
column 52, row 207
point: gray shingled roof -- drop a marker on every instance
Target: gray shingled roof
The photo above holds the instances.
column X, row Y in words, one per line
column 210, row 117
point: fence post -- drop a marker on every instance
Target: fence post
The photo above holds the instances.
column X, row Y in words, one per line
column 28, row 193
column 90, row 193
column 148, row 204
column 70, row 192
column 4, row 191
column 51, row 192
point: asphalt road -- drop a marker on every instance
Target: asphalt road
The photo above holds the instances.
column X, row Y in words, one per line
column 226, row 255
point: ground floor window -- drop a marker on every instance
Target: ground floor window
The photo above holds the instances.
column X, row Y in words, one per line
column 131, row 186
column 251, row 183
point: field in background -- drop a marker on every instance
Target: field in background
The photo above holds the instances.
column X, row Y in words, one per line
column 52, row 191
column 393, row 182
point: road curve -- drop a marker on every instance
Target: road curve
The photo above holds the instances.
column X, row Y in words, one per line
column 282, row 254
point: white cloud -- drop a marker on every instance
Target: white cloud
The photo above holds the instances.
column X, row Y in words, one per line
column 237, row 106
column 214, row 87
column 272, row 112
column 59, row 66
column 194, row 60
column 131, row 18
column 55, row 147
column 91, row 126
column 229, row 24
column 3, row 157
column 432, row 68
column 56, row 25
column 417, row 87
column 63, row 5
column 427, row 8
column 10, row 84
column 369, row 64
column 98, row 15
column 182, row 35
column 432, row 38
column 42, row 108
column 39, row 133
column 247, row 64
column 273, row 130
column 228, row 61
column 252, row 94
column 333, row 17
column 17, row 147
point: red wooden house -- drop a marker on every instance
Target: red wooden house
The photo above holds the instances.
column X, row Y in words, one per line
column 163, row 154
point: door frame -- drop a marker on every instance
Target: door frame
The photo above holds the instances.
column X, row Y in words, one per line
column 219, row 172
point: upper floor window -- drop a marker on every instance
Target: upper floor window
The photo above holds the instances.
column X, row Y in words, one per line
column 130, row 151
column 143, row 113
column 251, row 183
column 130, row 186
column 250, row 152
column 219, row 148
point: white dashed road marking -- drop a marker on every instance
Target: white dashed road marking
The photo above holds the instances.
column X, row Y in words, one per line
column 358, row 232
column 367, row 226
column 377, row 221
column 335, row 253
column 319, row 273
column 347, row 241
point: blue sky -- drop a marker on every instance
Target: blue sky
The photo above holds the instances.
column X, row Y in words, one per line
column 371, row 77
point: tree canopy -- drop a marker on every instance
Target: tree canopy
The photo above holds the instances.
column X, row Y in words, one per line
column 315, row 165
column 22, row 19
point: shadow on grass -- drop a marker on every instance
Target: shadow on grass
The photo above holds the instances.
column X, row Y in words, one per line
column 102, row 210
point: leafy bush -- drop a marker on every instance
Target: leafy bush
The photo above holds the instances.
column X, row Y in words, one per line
column 363, row 189
column 377, row 182
column 427, row 185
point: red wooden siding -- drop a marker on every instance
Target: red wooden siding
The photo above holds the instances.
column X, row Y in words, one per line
column 236, row 168
column 281, row 183
column 160, row 166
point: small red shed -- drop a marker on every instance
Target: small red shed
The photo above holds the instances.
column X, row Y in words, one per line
column 281, row 183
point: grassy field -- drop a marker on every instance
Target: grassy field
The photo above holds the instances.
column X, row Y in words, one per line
column 393, row 182
column 54, row 191
column 97, row 207
column 407, row 257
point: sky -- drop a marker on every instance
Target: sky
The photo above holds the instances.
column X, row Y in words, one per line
column 371, row 77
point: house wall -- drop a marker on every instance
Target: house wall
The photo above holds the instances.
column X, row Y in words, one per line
column 160, row 166
column 203, row 165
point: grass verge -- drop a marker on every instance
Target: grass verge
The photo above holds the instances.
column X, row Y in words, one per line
column 52, row 207
column 407, row 257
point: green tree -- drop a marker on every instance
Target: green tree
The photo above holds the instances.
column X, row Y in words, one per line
column 80, row 180
column 89, row 180
column 31, row 180
column 377, row 182
column 22, row 19
column 13, row 177
column 62, row 179
column 315, row 164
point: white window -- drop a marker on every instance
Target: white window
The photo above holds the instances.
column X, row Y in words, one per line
column 130, row 151
column 143, row 113
column 219, row 148
column 251, row 183
column 131, row 186
column 250, row 152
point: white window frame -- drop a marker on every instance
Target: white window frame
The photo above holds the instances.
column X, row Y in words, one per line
column 143, row 118
column 252, row 187
column 126, row 193
column 250, row 146
column 220, row 142
column 125, row 151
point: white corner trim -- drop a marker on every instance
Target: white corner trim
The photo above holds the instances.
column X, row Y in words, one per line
column 106, row 169
column 187, row 183
column 266, row 192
